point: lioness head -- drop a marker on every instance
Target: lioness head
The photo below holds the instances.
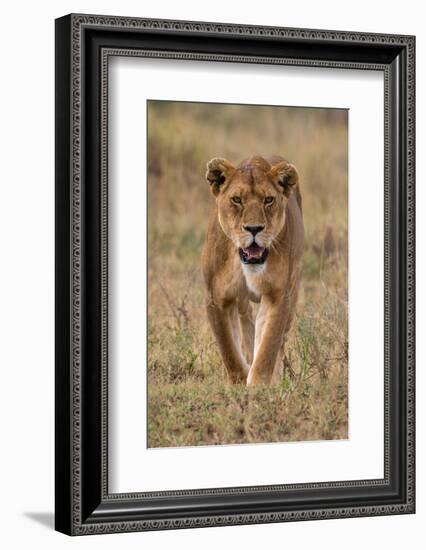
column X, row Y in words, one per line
column 251, row 200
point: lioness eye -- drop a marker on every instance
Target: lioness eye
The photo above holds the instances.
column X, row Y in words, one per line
column 269, row 200
column 236, row 200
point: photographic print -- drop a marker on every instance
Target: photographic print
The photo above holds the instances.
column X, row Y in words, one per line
column 247, row 251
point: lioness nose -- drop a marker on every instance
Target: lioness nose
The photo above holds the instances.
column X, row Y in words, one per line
column 254, row 229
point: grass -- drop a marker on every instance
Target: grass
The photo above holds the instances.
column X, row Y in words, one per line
column 189, row 399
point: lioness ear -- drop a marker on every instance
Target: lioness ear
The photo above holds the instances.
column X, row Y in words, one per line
column 218, row 170
column 286, row 175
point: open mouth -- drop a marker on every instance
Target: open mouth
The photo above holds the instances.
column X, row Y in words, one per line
column 253, row 254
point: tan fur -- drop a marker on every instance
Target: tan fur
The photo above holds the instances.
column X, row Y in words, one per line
column 250, row 348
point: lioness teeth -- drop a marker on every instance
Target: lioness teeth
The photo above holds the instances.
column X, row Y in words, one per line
column 254, row 251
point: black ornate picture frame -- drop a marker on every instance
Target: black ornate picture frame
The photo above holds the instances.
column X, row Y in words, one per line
column 84, row 44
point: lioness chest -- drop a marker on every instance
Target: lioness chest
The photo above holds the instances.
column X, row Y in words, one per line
column 265, row 280
column 255, row 279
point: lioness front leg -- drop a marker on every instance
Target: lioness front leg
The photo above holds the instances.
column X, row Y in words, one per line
column 269, row 337
column 246, row 329
column 222, row 321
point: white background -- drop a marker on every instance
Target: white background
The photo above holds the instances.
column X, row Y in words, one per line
column 359, row 457
column 26, row 304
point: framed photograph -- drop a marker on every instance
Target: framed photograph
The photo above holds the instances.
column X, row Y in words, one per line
column 234, row 274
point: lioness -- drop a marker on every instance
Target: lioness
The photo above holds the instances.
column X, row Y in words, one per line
column 253, row 252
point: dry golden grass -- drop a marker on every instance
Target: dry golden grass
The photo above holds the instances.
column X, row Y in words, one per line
column 189, row 399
